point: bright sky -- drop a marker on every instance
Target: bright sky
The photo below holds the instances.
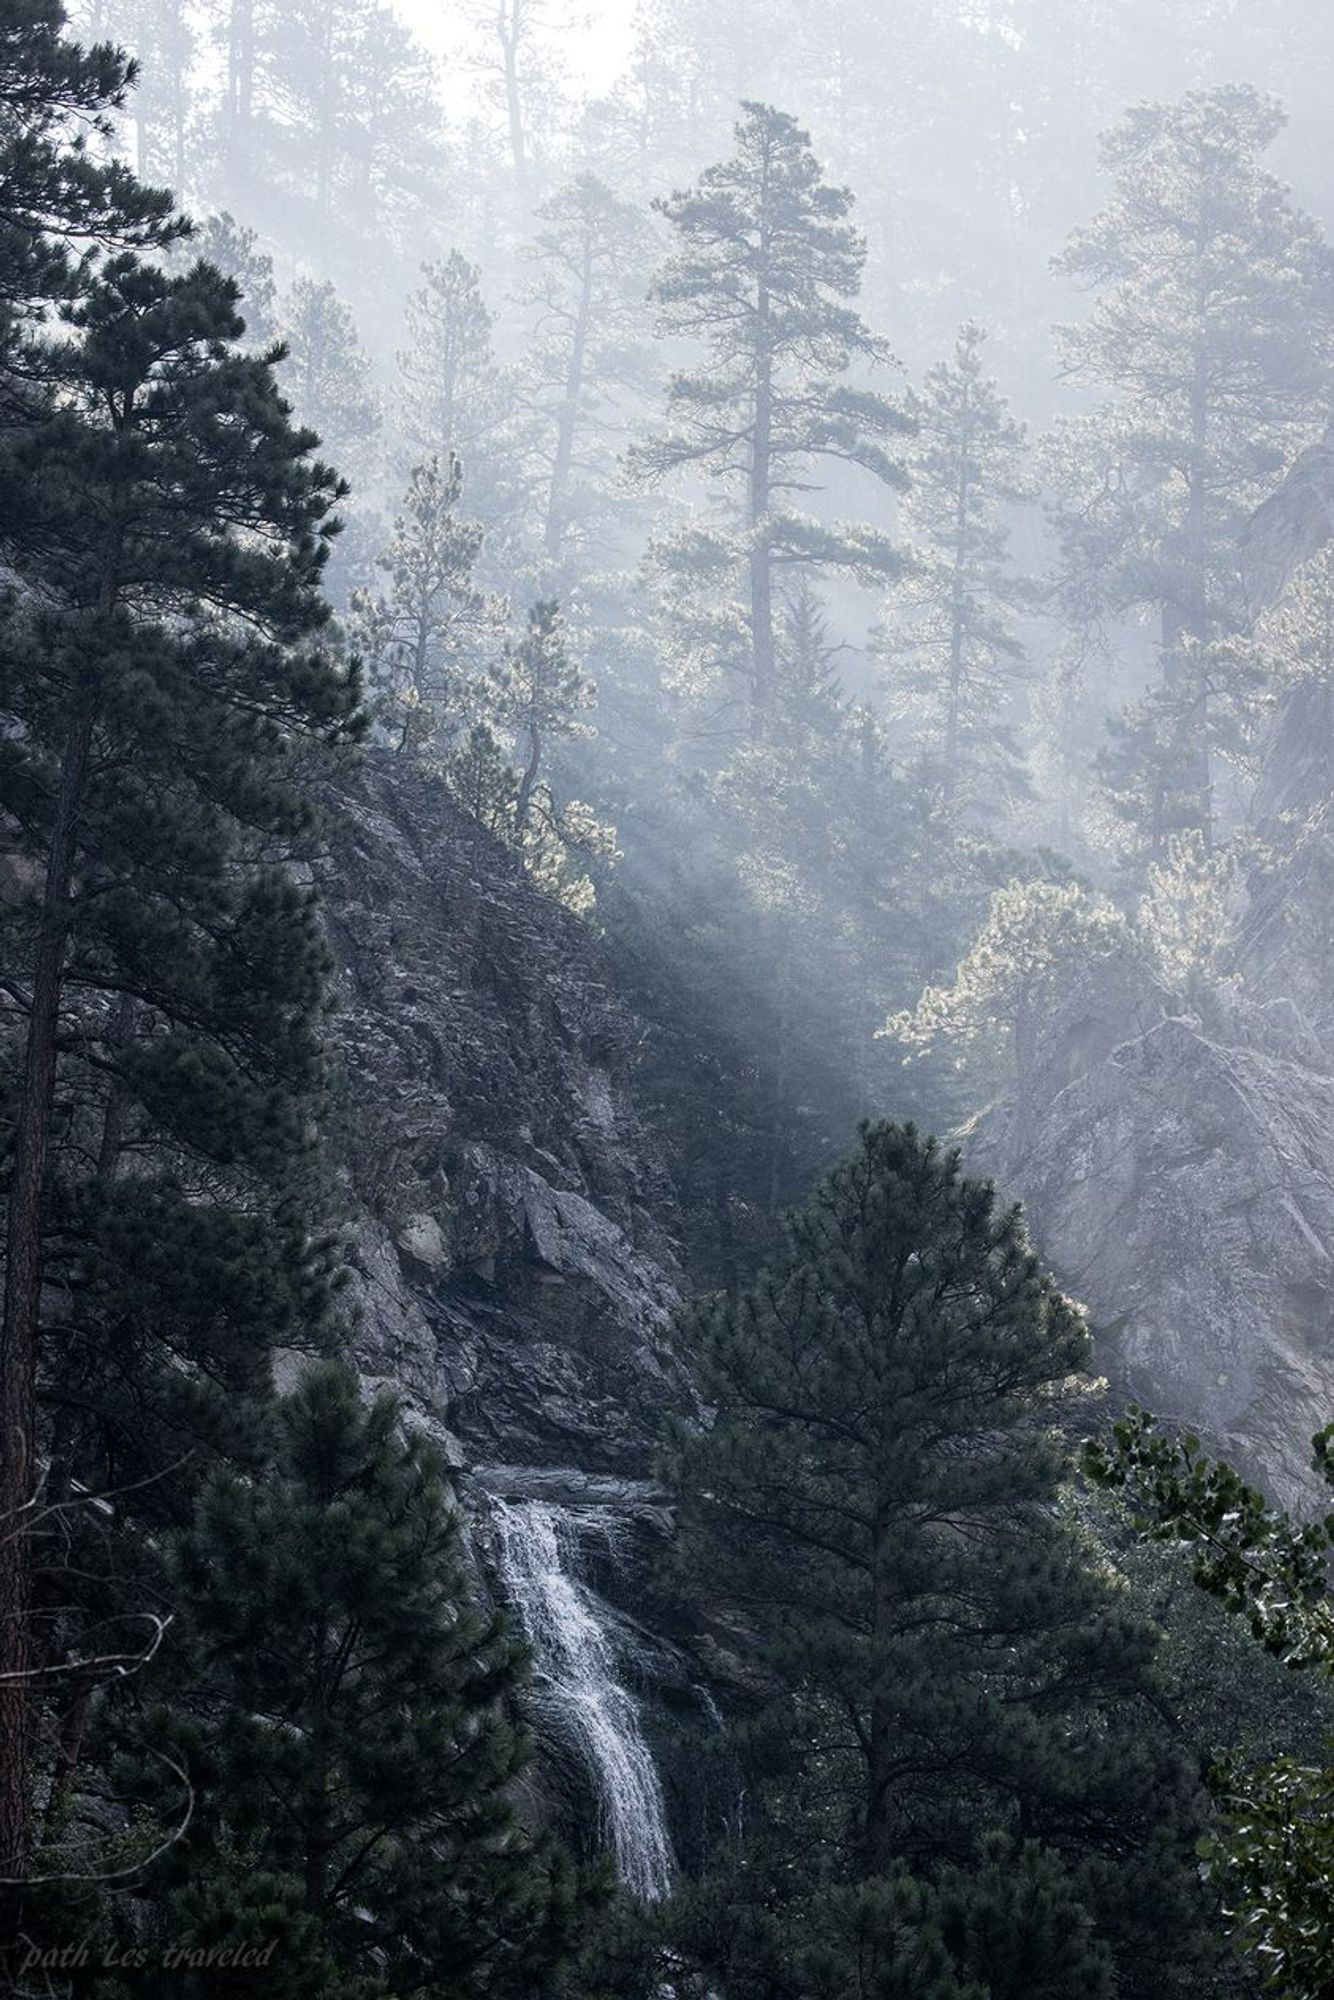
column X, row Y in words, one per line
column 594, row 35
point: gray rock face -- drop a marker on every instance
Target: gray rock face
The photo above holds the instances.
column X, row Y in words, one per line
column 1179, row 1178
column 514, row 1265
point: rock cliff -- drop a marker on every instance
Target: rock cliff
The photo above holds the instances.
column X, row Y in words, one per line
column 1179, row 1177
column 1178, row 1167
column 514, row 1260
column 513, row 1263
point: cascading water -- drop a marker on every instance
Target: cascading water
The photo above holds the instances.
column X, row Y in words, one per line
column 575, row 1669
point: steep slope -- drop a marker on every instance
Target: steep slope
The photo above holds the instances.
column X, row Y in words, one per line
column 513, row 1262
column 1179, row 1177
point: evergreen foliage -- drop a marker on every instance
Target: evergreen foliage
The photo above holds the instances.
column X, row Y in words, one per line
column 588, row 358
column 455, row 399
column 1212, row 334
column 539, row 694
column 236, row 251
column 164, row 534
column 961, row 1775
column 345, row 1728
column 1274, row 1858
column 245, row 1691
column 326, row 371
column 59, row 198
column 949, row 642
column 763, row 276
column 329, row 107
column 419, row 638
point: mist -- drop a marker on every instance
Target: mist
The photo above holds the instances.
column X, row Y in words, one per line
column 666, row 927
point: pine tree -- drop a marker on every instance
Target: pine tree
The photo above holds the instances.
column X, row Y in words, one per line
column 480, row 777
column 419, row 639
column 162, row 36
column 237, row 37
column 334, row 102
column 1212, row 334
column 588, row 357
column 961, row 1708
column 766, row 266
column 59, row 196
column 328, row 375
column 513, row 39
column 347, row 1732
column 61, row 205
column 454, row 397
column 952, row 654
column 539, row 694
column 235, row 251
column 157, row 664
column 1273, row 1856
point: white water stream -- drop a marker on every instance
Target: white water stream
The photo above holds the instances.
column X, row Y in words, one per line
column 576, row 1672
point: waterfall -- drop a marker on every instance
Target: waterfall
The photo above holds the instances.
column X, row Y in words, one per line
column 575, row 1669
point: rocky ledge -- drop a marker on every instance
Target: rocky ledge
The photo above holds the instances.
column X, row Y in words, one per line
column 514, row 1263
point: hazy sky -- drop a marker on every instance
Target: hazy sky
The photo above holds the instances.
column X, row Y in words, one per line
column 594, row 39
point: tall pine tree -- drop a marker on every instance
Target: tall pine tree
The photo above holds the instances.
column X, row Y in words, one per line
column 961, row 1750
column 588, row 358
column 1211, row 337
column 345, row 1728
column 158, row 660
column 949, row 642
column 766, row 268
column 454, row 396
column 420, row 636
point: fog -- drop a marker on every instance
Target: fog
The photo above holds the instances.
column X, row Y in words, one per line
column 612, row 615
column 990, row 618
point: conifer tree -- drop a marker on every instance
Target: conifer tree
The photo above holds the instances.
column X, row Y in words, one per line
column 1212, row 334
column 766, row 267
column 588, row 356
column 419, row 638
column 236, row 35
column 162, row 35
column 161, row 657
column 1273, row 1855
column 481, row 778
column 327, row 373
column 539, row 694
column 952, row 654
column 515, row 54
column 235, row 250
column 334, row 101
column 59, row 195
column 347, row 1732
column 965, row 1711
column 454, row 397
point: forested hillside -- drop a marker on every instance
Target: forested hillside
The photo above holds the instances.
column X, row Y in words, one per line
column 605, row 623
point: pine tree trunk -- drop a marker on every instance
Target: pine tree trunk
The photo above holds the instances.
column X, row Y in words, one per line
column 118, row 1103
column 180, row 103
column 954, row 701
column 240, row 79
column 524, row 801
column 1186, row 618
column 881, row 1736
column 509, row 28
column 326, row 118
column 761, row 561
column 778, row 1122
column 22, row 1309
column 569, row 413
